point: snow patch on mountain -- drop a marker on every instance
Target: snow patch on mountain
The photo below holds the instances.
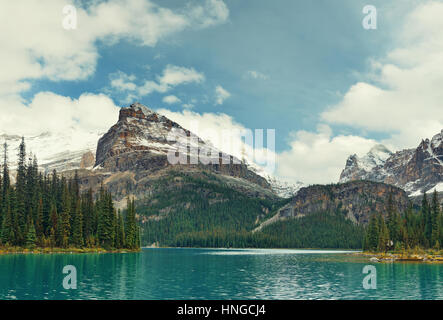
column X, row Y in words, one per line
column 60, row 151
column 283, row 189
column 414, row 170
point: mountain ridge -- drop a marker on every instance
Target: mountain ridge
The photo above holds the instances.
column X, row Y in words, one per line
column 414, row 170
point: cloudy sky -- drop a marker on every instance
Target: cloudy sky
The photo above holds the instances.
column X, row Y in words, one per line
column 307, row 69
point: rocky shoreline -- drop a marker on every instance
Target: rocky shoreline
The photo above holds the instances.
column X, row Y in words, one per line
column 37, row 250
column 429, row 257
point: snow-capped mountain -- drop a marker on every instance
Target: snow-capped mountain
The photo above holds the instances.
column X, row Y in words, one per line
column 61, row 151
column 281, row 188
column 414, row 170
column 141, row 139
column 141, row 129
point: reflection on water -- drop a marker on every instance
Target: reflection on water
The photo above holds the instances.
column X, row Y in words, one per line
column 214, row 274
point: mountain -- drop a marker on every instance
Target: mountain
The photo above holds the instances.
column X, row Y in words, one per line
column 283, row 189
column 64, row 151
column 136, row 152
column 414, row 170
column 189, row 193
column 355, row 200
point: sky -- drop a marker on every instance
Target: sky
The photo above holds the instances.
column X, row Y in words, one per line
column 307, row 69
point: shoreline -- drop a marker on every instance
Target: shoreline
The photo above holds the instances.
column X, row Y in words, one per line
column 417, row 256
column 40, row 250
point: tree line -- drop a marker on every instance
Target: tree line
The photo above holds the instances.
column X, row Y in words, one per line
column 416, row 227
column 207, row 214
column 42, row 210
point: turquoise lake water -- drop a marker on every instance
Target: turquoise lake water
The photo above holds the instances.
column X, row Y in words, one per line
column 214, row 274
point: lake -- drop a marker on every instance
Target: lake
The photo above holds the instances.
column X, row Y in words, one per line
column 215, row 274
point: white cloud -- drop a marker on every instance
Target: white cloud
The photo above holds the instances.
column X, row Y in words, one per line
column 174, row 75
column 36, row 46
column 318, row 157
column 171, row 76
column 404, row 99
column 188, row 105
column 209, row 126
column 212, row 12
column 221, row 95
column 171, row 99
column 256, row 75
column 49, row 112
column 312, row 158
column 122, row 82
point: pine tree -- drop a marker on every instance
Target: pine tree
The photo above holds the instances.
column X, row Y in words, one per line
column 77, row 229
column 30, row 234
column 6, row 180
column 372, row 233
column 120, row 231
column 435, row 220
column 20, row 223
column 427, row 221
column 383, row 240
column 106, row 228
column 87, row 207
column 50, row 211
column 130, row 230
column 39, row 220
column 7, row 227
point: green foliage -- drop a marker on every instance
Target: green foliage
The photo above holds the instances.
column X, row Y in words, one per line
column 421, row 227
column 200, row 206
column 56, row 214
column 317, row 230
column 31, row 235
column 208, row 214
column 131, row 231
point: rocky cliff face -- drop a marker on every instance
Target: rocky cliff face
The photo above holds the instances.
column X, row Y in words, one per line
column 356, row 199
column 414, row 170
column 134, row 153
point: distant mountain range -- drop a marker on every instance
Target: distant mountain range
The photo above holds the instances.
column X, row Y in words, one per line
column 139, row 140
column 227, row 200
column 414, row 170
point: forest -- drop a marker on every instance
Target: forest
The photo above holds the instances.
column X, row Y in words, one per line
column 207, row 214
column 49, row 211
column 417, row 227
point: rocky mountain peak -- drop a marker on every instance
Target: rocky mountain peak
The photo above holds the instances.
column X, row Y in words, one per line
column 415, row 170
column 437, row 140
column 142, row 140
column 138, row 129
column 380, row 150
column 136, row 111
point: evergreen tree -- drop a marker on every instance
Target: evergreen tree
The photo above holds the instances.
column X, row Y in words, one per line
column 373, row 233
column 8, row 237
column 383, row 239
column 20, row 222
column 77, row 230
column 106, row 228
column 435, row 221
column 39, row 220
column 30, row 234
column 130, row 226
column 427, row 221
column 50, row 211
column 120, row 231
column 6, row 180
